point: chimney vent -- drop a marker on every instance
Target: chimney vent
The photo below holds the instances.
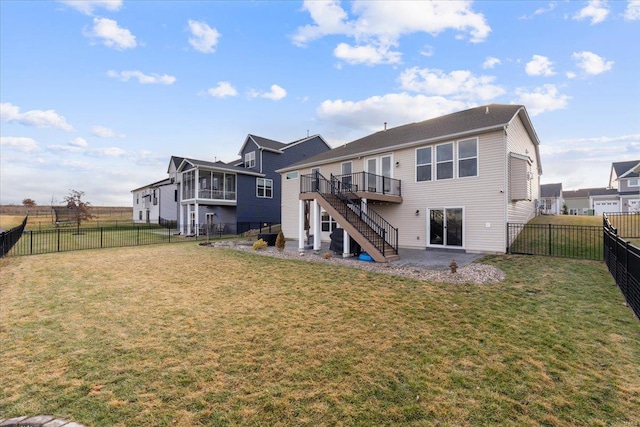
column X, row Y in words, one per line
column 486, row 111
column 385, row 126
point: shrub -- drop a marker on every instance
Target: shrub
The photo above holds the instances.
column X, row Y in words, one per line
column 259, row 244
column 280, row 241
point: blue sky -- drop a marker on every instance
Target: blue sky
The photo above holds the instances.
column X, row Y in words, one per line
column 97, row 95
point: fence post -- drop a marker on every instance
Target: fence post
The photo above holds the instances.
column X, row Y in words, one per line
column 101, row 237
column 58, row 240
column 138, row 236
column 31, row 242
column 550, row 247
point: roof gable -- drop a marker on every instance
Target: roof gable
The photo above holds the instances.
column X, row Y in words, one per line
column 626, row 169
column 262, row 144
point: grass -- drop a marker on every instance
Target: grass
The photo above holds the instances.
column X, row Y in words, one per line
column 571, row 236
column 186, row 335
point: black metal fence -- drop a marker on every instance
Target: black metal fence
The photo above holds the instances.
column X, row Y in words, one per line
column 34, row 242
column 568, row 241
column 623, row 261
column 9, row 238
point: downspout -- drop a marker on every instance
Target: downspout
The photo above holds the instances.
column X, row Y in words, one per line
column 505, row 190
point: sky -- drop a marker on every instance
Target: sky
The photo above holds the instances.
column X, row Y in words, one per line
column 96, row 96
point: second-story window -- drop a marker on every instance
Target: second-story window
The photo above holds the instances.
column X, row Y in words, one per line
column 468, row 158
column 444, row 161
column 423, row 164
column 250, row 160
column 264, row 188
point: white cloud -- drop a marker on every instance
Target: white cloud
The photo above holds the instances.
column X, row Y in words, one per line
column 491, row 62
column 276, row 93
column 591, row 63
column 542, row 99
column 571, row 75
column 110, row 152
column 366, row 54
column 37, row 118
column 88, row 6
column 142, row 78
column 79, row 142
column 203, row 38
column 539, row 66
column 396, row 109
column 104, row 132
column 379, row 25
column 632, row 12
column 541, row 10
column 595, row 10
column 111, row 34
column 427, row 51
column 20, row 143
column 459, row 84
column 223, row 89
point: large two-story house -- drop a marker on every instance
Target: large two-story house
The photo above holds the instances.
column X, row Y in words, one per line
column 233, row 197
column 157, row 203
column 450, row 182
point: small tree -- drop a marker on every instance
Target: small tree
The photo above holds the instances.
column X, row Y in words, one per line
column 28, row 203
column 564, row 209
column 280, row 241
column 82, row 209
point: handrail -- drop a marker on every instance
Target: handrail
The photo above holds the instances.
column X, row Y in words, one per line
column 369, row 182
column 383, row 231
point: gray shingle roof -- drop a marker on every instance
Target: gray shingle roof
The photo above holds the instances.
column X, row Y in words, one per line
column 551, row 190
column 222, row 166
column 476, row 119
column 622, row 168
column 267, row 143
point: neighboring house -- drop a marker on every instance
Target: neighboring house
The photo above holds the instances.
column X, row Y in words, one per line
column 158, row 202
column 551, row 199
column 603, row 200
column 451, row 182
column 625, row 178
column 155, row 202
column 577, row 201
column 232, row 197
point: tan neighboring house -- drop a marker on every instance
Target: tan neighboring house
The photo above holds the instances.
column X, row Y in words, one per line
column 451, row 182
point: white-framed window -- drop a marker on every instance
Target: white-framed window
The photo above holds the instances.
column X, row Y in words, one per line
column 444, row 161
column 292, row 175
column 633, row 182
column 424, row 164
column 347, row 179
column 264, row 188
column 327, row 223
column 250, row 160
column 468, row 157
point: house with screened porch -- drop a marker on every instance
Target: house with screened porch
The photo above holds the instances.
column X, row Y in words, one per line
column 218, row 197
column 451, row 182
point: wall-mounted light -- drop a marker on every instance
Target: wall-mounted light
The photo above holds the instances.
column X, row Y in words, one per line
column 397, row 164
column 417, row 212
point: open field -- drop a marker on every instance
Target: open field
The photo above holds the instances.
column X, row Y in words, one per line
column 41, row 218
column 187, row 335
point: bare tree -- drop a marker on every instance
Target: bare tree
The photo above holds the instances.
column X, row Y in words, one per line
column 82, row 209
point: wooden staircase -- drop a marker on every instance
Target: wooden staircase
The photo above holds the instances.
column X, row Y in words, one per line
column 372, row 232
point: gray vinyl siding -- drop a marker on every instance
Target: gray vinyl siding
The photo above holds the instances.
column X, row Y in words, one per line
column 482, row 197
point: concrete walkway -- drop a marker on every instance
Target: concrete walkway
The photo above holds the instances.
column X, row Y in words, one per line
column 430, row 259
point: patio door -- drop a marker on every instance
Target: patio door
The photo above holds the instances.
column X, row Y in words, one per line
column 445, row 227
column 378, row 170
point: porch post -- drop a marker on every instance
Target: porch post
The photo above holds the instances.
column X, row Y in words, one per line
column 316, row 226
column 197, row 218
column 181, row 226
column 301, row 225
column 346, row 244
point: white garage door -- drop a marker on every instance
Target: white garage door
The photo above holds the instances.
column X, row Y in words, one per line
column 606, row 206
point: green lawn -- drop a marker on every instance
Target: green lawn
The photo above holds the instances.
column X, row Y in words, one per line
column 186, row 335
